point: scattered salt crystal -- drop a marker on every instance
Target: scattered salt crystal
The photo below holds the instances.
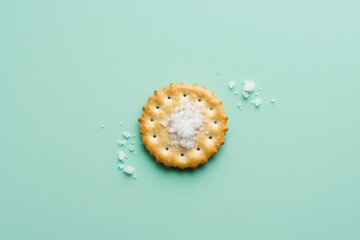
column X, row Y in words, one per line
column 259, row 89
column 121, row 143
column 132, row 143
column 122, row 156
column 121, row 166
column 131, row 149
column 256, row 94
column 245, row 94
column 239, row 105
column 249, row 86
column 126, row 134
column 272, row 100
column 129, row 170
column 218, row 73
column 236, row 93
column 184, row 124
column 257, row 102
column 231, row 84
column 163, row 123
column 102, row 126
column 135, row 176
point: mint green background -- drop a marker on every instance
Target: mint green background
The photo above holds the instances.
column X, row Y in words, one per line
column 287, row 171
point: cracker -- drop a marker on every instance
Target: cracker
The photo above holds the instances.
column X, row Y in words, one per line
column 155, row 135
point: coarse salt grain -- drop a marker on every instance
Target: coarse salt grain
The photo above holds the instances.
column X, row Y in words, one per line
column 129, row 170
column 231, row 84
column 126, row 134
column 257, row 102
column 249, row 86
column 121, row 166
column 245, row 94
column 121, row 143
column 163, row 123
column 272, row 100
column 122, row 156
column 184, row 125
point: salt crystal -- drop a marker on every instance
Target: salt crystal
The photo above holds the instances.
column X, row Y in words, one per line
column 121, row 166
column 249, row 86
column 122, row 156
column 272, row 100
column 129, row 170
column 126, row 134
column 231, row 84
column 239, row 105
column 257, row 102
column 184, row 124
column 102, row 126
column 236, row 93
column 218, row 73
column 245, row 94
column 135, row 176
column 131, row 149
column 163, row 123
column 121, row 143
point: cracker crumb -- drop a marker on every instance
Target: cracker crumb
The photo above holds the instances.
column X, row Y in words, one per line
column 231, row 84
column 122, row 156
column 249, row 86
column 129, row 170
column 121, row 143
column 126, row 135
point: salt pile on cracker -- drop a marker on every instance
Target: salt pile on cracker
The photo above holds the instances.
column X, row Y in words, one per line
column 184, row 125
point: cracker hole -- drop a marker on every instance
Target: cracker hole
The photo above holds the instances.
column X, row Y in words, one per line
column 215, row 122
column 157, row 107
column 152, row 119
column 211, row 109
column 210, row 137
column 199, row 100
column 169, row 97
column 198, row 149
column 167, row 149
column 182, row 154
column 184, row 95
column 154, row 136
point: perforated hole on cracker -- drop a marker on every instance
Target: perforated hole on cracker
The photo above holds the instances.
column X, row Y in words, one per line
column 187, row 125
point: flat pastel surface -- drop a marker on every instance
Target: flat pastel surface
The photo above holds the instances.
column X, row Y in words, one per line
column 288, row 170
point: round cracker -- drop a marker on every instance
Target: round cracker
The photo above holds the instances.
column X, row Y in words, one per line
column 158, row 109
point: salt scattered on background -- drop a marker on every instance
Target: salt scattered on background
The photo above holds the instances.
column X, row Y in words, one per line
column 121, row 166
column 122, row 156
column 245, row 94
column 231, row 84
column 102, row 126
column 135, row 176
column 249, row 86
column 126, row 134
column 236, row 93
column 129, row 170
column 131, row 149
column 257, row 102
column 272, row 100
column 121, row 143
